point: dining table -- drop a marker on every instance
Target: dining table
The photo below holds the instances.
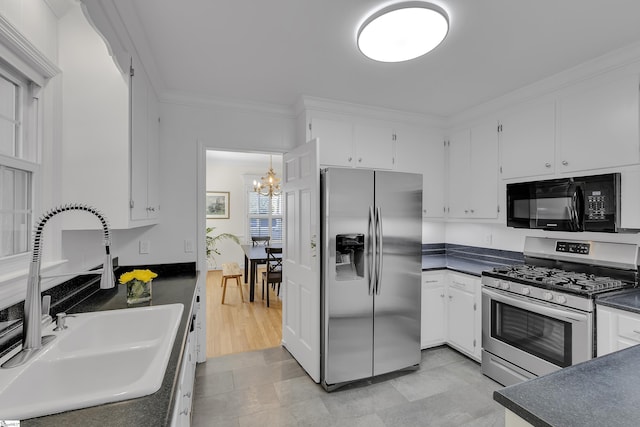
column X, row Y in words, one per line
column 254, row 255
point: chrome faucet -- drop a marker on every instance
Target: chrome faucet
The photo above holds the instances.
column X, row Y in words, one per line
column 32, row 339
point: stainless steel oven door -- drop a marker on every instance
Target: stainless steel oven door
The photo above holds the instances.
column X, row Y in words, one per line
column 532, row 335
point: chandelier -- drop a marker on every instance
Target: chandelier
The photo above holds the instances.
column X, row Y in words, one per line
column 269, row 185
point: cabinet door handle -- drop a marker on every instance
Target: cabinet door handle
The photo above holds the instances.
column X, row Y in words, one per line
column 359, row 159
column 450, row 297
column 441, row 295
column 350, row 158
column 547, row 165
column 565, row 163
column 636, row 331
column 430, row 281
column 472, row 211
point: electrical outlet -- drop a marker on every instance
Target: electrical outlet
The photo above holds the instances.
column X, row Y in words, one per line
column 145, row 246
column 188, row 246
column 488, row 239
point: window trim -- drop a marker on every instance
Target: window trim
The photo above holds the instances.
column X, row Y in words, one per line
column 248, row 180
column 24, row 65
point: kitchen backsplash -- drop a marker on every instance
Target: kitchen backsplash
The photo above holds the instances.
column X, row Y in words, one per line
column 473, row 253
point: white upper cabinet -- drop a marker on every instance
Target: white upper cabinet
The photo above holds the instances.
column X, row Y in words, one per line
column 588, row 126
column 145, row 156
column 420, row 150
column 374, row 146
column 598, row 124
column 110, row 151
column 111, row 133
column 349, row 143
column 459, row 178
column 335, row 139
column 473, row 172
column 527, row 141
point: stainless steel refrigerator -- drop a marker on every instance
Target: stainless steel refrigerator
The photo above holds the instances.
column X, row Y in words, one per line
column 371, row 269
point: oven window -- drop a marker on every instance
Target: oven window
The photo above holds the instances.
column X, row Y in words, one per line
column 541, row 336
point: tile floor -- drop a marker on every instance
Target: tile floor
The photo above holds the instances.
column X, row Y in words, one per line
column 268, row 388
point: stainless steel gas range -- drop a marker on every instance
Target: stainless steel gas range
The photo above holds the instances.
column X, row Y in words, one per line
column 540, row 317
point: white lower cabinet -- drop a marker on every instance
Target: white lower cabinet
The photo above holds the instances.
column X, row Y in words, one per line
column 463, row 313
column 433, row 309
column 616, row 330
column 184, row 393
column 451, row 311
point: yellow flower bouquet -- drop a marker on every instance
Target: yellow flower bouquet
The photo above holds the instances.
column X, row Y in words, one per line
column 138, row 285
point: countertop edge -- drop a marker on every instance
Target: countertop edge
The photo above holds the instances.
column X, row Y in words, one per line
column 520, row 411
column 558, row 399
column 155, row 409
column 626, row 300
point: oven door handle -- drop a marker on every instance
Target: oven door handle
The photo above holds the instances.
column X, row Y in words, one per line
column 538, row 307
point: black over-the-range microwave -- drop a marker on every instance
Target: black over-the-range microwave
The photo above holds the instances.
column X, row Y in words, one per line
column 586, row 203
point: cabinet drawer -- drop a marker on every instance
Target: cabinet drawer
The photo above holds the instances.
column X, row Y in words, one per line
column 629, row 327
column 463, row 283
column 430, row 281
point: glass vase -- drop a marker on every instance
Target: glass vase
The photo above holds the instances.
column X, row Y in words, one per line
column 138, row 291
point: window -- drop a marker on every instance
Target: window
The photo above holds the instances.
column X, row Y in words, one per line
column 17, row 164
column 264, row 215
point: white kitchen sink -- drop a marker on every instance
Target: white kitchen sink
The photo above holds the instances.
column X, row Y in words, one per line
column 101, row 357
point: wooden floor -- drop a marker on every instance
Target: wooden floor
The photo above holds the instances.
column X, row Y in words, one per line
column 235, row 327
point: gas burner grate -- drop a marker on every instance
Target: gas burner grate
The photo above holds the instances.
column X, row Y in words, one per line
column 577, row 282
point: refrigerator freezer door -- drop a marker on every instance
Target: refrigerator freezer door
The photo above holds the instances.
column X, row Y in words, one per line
column 347, row 304
column 398, row 196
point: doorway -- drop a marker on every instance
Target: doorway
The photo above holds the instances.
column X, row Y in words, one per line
column 238, row 326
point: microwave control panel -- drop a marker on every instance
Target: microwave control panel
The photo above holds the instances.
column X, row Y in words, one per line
column 573, row 247
column 596, row 206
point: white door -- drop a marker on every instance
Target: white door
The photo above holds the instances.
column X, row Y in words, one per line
column 301, row 257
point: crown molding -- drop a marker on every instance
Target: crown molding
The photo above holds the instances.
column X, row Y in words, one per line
column 18, row 50
column 306, row 102
column 211, row 102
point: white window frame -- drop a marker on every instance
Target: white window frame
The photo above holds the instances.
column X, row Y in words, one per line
column 26, row 156
column 248, row 191
column 22, row 63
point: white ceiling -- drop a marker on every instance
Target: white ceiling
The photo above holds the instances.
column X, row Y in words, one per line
column 275, row 51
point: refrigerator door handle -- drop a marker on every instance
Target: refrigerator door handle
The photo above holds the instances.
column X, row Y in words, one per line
column 371, row 250
column 379, row 259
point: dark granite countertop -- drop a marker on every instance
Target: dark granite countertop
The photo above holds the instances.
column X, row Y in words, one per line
column 628, row 300
column 155, row 409
column 600, row 392
column 461, row 265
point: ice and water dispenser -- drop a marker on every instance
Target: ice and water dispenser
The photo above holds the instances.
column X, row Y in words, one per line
column 349, row 256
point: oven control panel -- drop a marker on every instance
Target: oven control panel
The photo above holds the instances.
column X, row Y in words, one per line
column 573, row 247
column 531, row 293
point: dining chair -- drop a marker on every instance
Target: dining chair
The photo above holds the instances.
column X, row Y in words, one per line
column 273, row 274
column 260, row 241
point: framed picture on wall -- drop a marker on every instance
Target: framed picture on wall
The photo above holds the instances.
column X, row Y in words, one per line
column 217, row 204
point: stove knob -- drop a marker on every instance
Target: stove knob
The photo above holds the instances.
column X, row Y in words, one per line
column 561, row 299
column 548, row 296
column 526, row 291
column 505, row 286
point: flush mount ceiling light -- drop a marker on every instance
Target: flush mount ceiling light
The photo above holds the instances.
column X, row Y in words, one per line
column 403, row 31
